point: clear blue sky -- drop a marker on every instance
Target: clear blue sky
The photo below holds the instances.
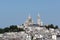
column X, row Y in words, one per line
column 15, row 12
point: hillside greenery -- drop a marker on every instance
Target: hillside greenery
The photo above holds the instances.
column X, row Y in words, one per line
column 14, row 28
column 51, row 26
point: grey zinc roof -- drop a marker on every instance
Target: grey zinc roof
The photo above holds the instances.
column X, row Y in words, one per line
column 35, row 25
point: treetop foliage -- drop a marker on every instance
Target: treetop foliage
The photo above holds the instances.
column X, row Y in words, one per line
column 51, row 26
column 14, row 28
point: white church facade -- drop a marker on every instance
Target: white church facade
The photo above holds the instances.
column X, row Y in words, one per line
column 29, row 21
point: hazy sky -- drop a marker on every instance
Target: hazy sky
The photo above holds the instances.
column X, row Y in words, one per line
column 15, row 12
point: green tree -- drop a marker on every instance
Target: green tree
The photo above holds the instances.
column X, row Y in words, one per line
column 20, row 29
column 56, row 27
column 13, row 28
column 1, row 30
column 6, row 29
column 51, row 26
